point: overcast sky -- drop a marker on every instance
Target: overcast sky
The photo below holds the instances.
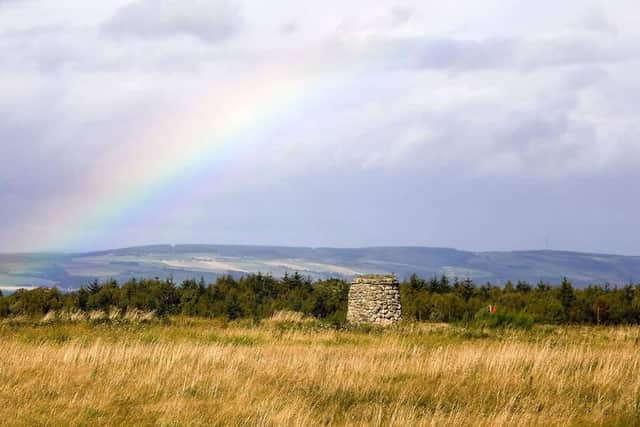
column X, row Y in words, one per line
column 492, row 125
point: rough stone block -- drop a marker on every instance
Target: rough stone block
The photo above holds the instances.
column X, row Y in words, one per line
column 374, row 299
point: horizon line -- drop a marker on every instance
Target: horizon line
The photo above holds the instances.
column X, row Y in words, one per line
column 253, row 245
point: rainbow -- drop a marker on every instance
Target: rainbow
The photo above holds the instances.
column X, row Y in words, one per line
column 203, row 139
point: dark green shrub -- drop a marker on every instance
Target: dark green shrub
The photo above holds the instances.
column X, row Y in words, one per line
column 504, row 320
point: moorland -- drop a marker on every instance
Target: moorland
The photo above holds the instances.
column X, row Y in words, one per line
column 294, row 370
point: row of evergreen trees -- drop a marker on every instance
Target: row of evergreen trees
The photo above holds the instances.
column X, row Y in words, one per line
column 259, row 296
column 254, row 296
column 440, row 299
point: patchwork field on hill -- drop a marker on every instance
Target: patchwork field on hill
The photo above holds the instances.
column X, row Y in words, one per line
column 209, row 261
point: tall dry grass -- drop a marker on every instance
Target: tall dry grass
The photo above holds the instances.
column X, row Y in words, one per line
column 129, row 315
column 196, row 372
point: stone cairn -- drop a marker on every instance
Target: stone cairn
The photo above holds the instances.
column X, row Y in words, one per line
column 374, row 299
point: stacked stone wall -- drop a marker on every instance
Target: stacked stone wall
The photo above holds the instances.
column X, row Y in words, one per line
column 374, row 299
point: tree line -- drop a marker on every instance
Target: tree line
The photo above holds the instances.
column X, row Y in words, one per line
column 258, row 296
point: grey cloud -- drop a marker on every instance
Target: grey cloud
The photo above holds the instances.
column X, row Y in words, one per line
column 494, row 123
column 401, row 15
column 209, row 21
column 510, row 52
column 523, row 131
column 444, row 53
column 289, row 27
column 45, row 50
column 585, row 77
column 597, row 21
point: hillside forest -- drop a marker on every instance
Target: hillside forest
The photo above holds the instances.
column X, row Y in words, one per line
column 258, row 296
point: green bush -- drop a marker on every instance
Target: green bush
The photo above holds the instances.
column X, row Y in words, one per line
column 504, row 320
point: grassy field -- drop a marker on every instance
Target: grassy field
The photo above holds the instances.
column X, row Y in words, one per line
column 201, row 372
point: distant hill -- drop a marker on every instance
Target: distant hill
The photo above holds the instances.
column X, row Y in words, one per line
column 209, row 261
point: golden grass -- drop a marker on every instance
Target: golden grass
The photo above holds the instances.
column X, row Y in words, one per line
column 199, row 372
column 285, row 316
column 130, row 315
